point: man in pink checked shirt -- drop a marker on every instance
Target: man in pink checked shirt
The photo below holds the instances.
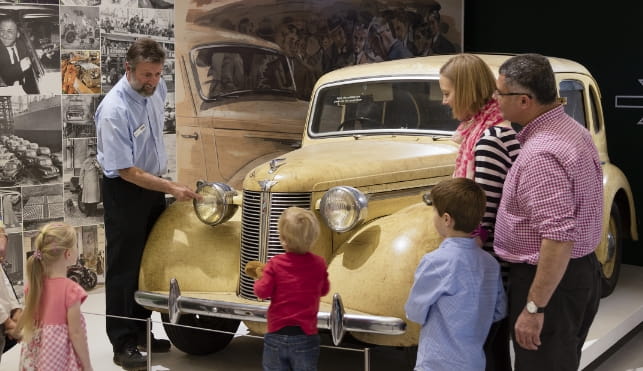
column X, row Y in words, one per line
column 549, row 220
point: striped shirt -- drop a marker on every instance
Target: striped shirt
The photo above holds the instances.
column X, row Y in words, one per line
column 553, row 191
column 495, row 152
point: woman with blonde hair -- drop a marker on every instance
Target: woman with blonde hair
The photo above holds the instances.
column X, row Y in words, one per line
column 488, row 148
column 52, row 325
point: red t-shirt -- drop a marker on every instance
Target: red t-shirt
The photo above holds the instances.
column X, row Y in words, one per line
column 294, row 283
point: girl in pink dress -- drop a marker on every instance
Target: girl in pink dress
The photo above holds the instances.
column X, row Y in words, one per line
column 52, row 326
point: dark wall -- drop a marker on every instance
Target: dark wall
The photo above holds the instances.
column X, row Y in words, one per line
column 608, row 41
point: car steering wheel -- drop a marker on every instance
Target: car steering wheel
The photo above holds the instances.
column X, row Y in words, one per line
column 366, row 122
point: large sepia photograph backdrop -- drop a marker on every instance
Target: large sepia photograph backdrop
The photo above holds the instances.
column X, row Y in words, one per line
column 246, row 69
column 239, row 75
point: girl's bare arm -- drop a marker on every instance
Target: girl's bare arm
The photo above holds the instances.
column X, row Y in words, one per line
column 78, row 336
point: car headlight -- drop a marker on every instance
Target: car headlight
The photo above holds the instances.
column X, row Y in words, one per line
column 216, row 207
column 343, row 208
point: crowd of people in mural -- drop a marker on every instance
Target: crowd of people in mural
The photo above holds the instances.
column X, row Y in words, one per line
column 138, row 25
column 317, row 46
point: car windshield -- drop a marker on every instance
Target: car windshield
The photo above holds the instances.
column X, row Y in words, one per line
column 44, row 162
column 234, row 70
column 410, row 106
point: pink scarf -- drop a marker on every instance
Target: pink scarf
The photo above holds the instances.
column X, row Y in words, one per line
column 469, row 132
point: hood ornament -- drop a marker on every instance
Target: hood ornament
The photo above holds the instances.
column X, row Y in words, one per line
column 276, row 164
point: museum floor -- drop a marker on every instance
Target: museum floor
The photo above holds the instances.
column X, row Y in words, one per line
column 244, row 352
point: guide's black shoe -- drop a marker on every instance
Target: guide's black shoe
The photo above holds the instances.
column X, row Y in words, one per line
column 131, row 359
column 158, row 345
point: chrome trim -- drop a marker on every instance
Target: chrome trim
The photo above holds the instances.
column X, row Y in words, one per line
column 264, row 225
column 337, row 315
column 427, row 198
column 266, row 184
column 386, row 195
column 173, row 301
column 336, row 321
column 259, row 237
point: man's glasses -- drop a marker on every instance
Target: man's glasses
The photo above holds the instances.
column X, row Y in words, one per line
column 497, row 93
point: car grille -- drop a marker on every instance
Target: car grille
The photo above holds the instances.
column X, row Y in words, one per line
column 259, row 236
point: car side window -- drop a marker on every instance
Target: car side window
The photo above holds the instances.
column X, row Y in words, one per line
column 572, row 91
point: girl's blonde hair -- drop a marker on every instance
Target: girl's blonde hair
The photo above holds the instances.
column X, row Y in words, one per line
column 50, row 244
column 473, row 83
column 299, row 229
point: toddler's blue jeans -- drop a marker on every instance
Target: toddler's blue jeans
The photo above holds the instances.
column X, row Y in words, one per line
column 290, row 352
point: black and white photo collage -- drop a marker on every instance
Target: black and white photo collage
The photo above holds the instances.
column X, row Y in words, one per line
column 57, row 60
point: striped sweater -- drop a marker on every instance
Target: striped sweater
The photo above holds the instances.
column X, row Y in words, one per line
column 495, row 152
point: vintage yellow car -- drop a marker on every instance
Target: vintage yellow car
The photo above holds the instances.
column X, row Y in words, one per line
column 377, row 138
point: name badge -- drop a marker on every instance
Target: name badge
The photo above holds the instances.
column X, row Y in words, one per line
column 139, row 130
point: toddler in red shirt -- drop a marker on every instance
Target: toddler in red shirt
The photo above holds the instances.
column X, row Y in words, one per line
column 294, row 282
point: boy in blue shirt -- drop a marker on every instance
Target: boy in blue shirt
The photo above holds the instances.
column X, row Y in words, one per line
column 457, row 293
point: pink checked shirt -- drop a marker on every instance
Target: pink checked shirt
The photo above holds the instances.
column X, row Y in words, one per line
column 553, row 191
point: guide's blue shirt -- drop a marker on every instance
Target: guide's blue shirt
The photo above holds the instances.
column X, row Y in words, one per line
column 129, row 129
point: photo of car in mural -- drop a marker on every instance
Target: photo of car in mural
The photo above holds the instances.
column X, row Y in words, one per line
column 239, row 105
column 10, row 168
column 377, row 138
column 45, row 168
column 31, row 133
column 78, row 119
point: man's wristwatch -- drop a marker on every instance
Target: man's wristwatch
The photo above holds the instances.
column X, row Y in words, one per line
column 533, row 308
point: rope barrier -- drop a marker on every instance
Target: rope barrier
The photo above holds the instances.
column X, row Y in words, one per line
column 148, row 321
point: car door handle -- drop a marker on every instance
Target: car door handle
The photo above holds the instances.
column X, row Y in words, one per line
column 194, row 136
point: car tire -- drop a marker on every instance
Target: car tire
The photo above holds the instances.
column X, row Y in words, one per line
column 611, row 268
column 70, row 36
column 200, row 342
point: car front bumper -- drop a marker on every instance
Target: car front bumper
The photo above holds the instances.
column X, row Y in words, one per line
column 336, row 320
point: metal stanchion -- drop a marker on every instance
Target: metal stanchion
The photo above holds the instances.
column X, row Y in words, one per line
column 148, row 339
column 367, row 359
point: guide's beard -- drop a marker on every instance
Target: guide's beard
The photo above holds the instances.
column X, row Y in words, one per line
column 146, row 90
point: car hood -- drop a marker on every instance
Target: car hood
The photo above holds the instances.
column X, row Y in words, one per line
column 257, row 115
column 357, row 163
column 258, row 107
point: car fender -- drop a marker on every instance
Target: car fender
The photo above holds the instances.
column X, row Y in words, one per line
column 201, row 257
column 615, row 183
column 373, row 270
